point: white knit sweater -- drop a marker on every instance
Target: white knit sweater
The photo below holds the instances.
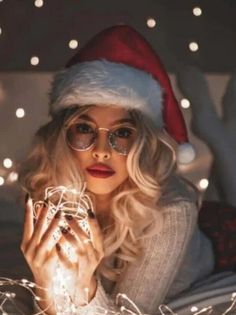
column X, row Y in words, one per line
column 172, row 260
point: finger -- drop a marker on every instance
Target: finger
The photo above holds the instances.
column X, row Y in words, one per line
column 38, row 206
column 95, row 233
column 50, row 259
column 28, row 222
column 63, row 257
column 39, row 229
column 87, row 244
column 48, row 242
column 74, row 224
column 73, row 240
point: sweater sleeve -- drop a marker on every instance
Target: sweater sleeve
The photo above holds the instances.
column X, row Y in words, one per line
column 146, row 282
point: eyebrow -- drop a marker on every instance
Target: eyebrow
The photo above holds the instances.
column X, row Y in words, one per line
column 118, row 121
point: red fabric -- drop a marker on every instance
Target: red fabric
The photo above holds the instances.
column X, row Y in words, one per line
column 122, row 44
column 218, row 221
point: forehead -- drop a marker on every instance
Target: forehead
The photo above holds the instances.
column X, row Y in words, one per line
column 107, row 115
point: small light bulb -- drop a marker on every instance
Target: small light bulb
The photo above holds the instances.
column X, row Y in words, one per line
column 20, row 112
column 73, row 44
column 197, row 11
column 203, row 183
column 24, row 281
column 7, row 163
column 151, row 22
column 185, row 103
column 34, row 61
column 193, row 46
column 38, row 3
column 1, row 180
column 12, row 177
column 0, row 31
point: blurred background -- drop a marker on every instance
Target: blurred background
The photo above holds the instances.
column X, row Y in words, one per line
column 37, row 38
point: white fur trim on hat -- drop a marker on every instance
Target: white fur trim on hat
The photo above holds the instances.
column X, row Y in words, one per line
column 185, row 153
column 107, row 83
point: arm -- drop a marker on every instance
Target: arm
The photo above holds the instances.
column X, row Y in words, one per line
column 147, row 282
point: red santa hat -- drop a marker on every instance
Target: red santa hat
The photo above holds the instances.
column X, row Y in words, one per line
column 119, row 67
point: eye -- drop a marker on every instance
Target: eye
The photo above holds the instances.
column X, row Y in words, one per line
column 83, row 128
column 123, row 132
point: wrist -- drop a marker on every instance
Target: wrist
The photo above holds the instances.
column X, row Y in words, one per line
column 93, row 288
column 87, row 291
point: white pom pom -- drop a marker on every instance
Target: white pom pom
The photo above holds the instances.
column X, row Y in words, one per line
column 185, row 153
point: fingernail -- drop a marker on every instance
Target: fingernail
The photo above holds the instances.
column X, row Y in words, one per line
column 58, row 247
column 27, row 197
column 91, row 214
column 63, row 230
column 58, row 214
column 69, row 217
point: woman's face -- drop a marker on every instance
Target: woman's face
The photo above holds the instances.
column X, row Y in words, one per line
column 104, row 168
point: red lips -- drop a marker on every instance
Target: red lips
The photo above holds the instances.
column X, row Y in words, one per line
column 100, row 170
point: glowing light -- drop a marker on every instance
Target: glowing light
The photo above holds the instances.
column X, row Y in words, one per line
column 20, row 112
column 203, row 183
column 24, row 281
column 197, row 11
column 1, row 180
column 12, row 177
column 193, row 46
column 7, row 163
column 194, row 309
column 151, row 22
column 68, row 307
column 0, row 31
column 34, row 61
column 38, row 3
column 71, row 201
column 185, row 103
column 73, row 44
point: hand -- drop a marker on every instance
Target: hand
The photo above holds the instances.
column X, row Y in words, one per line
column 89, row 251
column 38, row 247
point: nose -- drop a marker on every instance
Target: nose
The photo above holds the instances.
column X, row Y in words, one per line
column 101, row 149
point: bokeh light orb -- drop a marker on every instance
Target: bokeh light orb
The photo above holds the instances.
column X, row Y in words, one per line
column 20, row 112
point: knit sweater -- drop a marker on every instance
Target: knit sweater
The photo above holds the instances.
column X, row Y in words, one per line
column 171, row 262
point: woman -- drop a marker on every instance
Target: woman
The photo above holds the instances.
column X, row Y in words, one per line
column 109, row 110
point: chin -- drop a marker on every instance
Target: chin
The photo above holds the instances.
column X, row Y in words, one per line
column 101, row 189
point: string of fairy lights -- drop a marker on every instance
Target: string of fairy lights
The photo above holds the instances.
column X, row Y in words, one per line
column 7, row 174
column 9, row 297
column 76, row 202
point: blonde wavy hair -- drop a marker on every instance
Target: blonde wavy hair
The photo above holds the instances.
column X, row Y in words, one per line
column 134, row 212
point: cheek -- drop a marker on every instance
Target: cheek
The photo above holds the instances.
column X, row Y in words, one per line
column 81, row 158
column 121, row 167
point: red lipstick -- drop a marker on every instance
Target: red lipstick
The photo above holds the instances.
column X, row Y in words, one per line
column 100, row 170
